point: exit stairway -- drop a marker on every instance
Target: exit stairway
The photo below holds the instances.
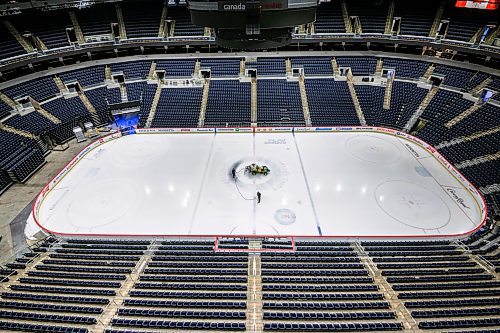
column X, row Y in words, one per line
column 121, row 21
column 463, row 115
column 9, row 101
column 253, row 106
column 204, row 103
column 154, row 105
column 421, row 108
column 26, row 46
column 305, row 103
column 354, row 96
column 26, row 134
column 90, row 108
column 388, row 94
column 78, row 30
column 254, row 322
column 403, row 314
column 44, row 113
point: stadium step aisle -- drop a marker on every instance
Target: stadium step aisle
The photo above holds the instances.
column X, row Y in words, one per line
column 254, row 307
column 85, row 285
column 277, row 103
column 115, row 307
column 185, row 285
column 58, row 301
column 440, row 284
column 319, row 290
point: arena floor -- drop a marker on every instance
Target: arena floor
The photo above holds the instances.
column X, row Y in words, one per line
column 342, row 184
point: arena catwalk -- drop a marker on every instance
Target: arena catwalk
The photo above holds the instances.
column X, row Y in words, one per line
column 356, row 182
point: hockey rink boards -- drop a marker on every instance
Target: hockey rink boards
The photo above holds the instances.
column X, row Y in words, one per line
column 344, row 182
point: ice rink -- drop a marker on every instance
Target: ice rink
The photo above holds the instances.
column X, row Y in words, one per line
column 343, row 184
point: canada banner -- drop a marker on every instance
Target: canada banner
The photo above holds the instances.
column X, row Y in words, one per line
column 478, row 4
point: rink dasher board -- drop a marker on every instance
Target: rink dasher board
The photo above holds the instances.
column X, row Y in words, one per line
column 213, row 131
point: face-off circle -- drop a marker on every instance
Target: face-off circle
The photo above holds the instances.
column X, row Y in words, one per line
column 373, row 149
column 412, row 204
column 104, row 203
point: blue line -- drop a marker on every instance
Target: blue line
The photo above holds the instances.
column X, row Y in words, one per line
column 307, row 186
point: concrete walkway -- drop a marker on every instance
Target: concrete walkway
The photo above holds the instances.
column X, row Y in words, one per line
column 16, row 202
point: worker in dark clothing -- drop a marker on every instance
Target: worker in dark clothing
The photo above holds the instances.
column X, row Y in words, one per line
column 258, row 197
column 234, row 173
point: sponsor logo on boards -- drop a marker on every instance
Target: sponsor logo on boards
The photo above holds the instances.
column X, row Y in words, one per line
column 166, row 130
column 457, row 198
column 45, row 190
column 413, row 151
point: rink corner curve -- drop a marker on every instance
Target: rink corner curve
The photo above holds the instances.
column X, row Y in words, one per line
column 35, row 227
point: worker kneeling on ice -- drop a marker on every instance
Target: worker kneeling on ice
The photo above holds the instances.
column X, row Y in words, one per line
column 255, row 169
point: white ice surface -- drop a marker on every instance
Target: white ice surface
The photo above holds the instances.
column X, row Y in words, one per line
column 329, row 184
